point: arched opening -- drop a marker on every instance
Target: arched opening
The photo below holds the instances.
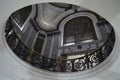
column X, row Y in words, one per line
column 20, row 16
column 78, row 30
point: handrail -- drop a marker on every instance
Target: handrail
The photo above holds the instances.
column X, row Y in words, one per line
column 59, row 58
column 84, row 62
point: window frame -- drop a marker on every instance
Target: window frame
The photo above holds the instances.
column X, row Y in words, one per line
column 87, row 14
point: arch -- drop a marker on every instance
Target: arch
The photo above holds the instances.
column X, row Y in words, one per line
column 77, row 32
column 90, row 16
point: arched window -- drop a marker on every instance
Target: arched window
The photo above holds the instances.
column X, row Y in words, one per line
column 21, row 15
column 79, row 29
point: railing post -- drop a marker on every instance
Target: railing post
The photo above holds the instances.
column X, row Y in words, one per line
column 87, row 61
column 73, row 69
column 29, row 58
column 100, row 56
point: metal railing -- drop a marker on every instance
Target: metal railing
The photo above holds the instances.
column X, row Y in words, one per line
column 85, row 62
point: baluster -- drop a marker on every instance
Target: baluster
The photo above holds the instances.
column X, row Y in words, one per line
column 29, row 58
column 73, row 62
column 100, row 55
column 87, row 61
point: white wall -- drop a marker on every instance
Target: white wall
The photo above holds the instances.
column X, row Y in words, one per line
column 13, row 68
